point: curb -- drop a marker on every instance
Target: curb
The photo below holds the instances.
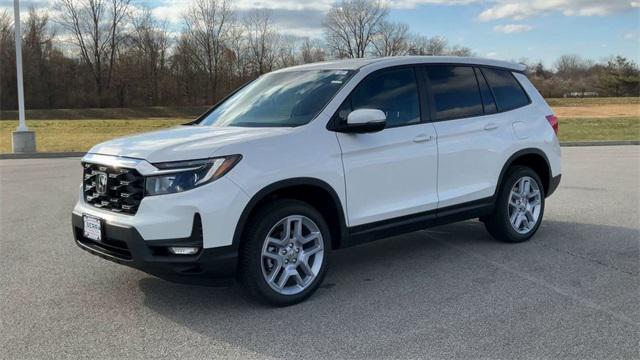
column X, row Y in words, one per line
column 601, row 143
column 54, row 155
column 40, row 155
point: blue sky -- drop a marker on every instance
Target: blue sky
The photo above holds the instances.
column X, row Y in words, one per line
column 503, row 29
column 543, row 36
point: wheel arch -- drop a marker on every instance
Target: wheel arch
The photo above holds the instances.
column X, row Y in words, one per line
column 310, row 190
column 533, row 158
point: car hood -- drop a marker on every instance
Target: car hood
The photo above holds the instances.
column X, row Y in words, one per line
column 182, row 143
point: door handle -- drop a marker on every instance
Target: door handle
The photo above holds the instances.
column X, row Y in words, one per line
column 491, row 126
column 422, row 138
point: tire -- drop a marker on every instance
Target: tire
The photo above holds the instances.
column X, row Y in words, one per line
column 262, row 259
column 512, row 207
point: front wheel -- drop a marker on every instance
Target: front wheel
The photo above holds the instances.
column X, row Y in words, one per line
column 519, row 207
column 285, row 253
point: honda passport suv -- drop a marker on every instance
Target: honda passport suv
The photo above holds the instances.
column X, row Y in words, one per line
column 300, row 162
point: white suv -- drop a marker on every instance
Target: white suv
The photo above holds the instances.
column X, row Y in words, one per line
column 309, row 159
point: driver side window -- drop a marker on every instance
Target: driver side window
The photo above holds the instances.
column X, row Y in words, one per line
column 394, row 91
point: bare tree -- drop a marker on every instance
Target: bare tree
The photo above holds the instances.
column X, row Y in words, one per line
column 460, row 51
column 36, row 31
column 237, row 44
column 436, row 46
column 187, row 73
column 391, row 39
column 149, row 43
column 262, row 41
column 37, row 53
column 97, row 29
column 312, row 51
column 6, row 29
column 287, row 51
column 207, row 25
column 8, row 86
column 150, row 38
column 571, row 65
column 351, row 25
column 422, row 45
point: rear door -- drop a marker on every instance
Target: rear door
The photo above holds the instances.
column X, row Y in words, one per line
column 392, row 172
column 472, row 136
column 510, row 100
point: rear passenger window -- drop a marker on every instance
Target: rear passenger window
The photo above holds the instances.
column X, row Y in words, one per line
column 455, row 91
column 506, row 89
column 395, row 92
column 487, row 97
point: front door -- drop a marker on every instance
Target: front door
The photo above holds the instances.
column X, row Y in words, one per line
column 393, row 172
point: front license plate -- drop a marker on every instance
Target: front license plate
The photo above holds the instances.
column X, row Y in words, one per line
column 92, row 228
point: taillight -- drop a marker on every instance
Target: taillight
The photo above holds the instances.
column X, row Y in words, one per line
column 553, row 121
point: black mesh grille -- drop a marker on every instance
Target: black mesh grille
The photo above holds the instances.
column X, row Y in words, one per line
column 123, row 191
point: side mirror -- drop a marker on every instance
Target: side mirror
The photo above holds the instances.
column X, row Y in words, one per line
column 366, row 120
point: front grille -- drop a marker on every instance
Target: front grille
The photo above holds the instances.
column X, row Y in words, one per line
column 123, row 191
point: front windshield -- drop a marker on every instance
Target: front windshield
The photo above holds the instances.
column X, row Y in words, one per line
column 287, row 99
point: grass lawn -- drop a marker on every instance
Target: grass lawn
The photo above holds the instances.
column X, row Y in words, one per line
column 593, row 101
column 615, row 128
column 80, row 135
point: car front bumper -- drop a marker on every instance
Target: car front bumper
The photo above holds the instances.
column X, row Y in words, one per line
column 124, row 245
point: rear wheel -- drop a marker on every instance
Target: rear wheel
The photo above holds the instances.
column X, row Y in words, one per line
column 285, row 253
column 519, row 207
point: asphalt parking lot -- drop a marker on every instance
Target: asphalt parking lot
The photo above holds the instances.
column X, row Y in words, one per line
column 573, row 291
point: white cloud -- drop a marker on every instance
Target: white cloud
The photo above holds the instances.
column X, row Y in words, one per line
column 294, row 5
column 594, row 11
column 167, row 13
column 411, row 4
column 512, row 28
column 632, row 35
column 172, row 10
column 492, row 54
column 520, row 9
column 324, row 5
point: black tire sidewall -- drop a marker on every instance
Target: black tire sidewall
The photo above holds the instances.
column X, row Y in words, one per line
column 502, row 214
column 251, row 256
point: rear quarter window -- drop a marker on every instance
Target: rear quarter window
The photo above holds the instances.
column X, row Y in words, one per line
column 507, row 91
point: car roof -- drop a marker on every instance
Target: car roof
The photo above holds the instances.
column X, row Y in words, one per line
column 356, row 64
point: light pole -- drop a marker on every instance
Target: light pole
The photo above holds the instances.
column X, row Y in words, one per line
column 23, row 140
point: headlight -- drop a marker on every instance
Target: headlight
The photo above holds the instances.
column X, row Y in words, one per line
column 185, row 175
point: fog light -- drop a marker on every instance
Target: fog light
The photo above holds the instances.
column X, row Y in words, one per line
column 183, row 250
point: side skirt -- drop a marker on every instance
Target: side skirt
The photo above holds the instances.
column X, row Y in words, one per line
column 405, row 224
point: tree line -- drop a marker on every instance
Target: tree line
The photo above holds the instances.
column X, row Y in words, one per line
column 574, row 76
column 112, row 53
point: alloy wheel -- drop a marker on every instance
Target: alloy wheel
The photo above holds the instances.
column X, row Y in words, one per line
column 292, row 254
column 525, row 204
